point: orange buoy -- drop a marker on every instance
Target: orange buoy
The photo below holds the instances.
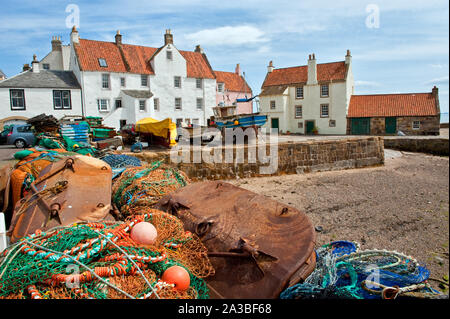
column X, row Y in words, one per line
column 236, row 122
column 177, row 275
column 144, row 233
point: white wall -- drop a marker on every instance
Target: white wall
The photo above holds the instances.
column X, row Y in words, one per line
column 38, row 101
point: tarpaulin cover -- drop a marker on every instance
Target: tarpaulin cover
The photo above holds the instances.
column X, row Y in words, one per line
column 158, row 128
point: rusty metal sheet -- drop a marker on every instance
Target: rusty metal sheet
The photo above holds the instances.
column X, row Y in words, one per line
column 257, row 246
column 74, row 189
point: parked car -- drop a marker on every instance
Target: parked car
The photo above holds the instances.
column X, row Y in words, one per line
column 3, row 136
column 21, row 136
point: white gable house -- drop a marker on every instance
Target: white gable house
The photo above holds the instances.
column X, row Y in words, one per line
column 124, row 83
column 307, row 98
column 37, row 91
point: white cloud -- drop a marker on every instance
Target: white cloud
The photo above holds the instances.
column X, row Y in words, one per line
column 436, row 81
column 228, row 36
column 367, row 83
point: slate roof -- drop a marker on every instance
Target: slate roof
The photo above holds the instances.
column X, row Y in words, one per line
column 299, row 74
column 233, row 81
column 133, row 59
column 139, row 94
column 51, row 79
column 385, row 105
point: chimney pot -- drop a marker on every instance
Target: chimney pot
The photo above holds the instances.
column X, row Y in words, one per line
column 35, row 64
column 313, row 56
column 26, row 67
column 168, row 37
column 118, row 38
column 238, row 69
column 56, row 43
column 198, row 49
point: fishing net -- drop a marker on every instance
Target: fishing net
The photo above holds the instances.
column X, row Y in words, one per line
column 101, row 260
column 144, row 186
column 120, row 162
column 344, row 272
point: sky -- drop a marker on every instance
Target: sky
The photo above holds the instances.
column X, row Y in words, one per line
column 396, row 46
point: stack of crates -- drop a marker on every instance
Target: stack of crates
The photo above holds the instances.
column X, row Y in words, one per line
column 78, row 132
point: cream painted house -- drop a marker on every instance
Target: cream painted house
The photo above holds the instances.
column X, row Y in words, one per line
column 304, row 98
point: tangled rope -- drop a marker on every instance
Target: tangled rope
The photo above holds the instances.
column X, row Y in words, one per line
column 345, row 272
column 108, row 263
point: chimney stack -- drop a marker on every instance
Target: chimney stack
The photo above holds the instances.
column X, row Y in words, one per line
column 238, row 69
column 270, row 67
column 74, row 37
column 35, row 64
column 168, row 37
column 198, row 49
column 118, row 38
column 26, row 67
column 56, row 43
column 312, row 70
column 348, row 57
column 435, row 93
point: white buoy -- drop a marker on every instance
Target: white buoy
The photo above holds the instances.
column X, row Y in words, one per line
column 3, row 242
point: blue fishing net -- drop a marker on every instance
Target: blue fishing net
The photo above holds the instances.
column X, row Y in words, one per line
column 341, row 269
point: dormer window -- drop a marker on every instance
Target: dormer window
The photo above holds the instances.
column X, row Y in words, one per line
column 102, row 63
column 169, row 55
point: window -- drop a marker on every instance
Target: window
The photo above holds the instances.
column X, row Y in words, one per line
column 142, row 105
column 195, row 121
column 169, row 55
column 298, row 111
column 332, row 123
column 156, row 104
column 17, row 99
column 144, row 80
column 177, row 81
column 187, row 121
column 179, row 122
column 61, row 100
column 199, row 103
column 324, row 90
column 118, row 103
column 272, row 105
column 122, row 82
column 103, row 105
column 220, row 87
column 299, row 92
column 23, row 129
column 102, row 63
column 416, row 125
column 324, row 110
column 46, row 66
column 198, row 83
column 105, row 81
column 300, row 124
column 178, row 103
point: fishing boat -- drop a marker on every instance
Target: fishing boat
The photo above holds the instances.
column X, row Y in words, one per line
column 226, row 117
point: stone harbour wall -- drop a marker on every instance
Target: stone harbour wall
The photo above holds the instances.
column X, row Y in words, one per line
column 293, row 158
column 435, row 146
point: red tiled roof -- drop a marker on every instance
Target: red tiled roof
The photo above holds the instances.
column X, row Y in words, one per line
column 382, row 105
column 136, row 57
column 233, row 81
column 89, row 51
column 197, row 66
column 299, row 74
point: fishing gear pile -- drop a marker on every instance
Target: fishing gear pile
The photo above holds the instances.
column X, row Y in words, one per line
column 105, row 260
column 344, row 272
column 145, row 186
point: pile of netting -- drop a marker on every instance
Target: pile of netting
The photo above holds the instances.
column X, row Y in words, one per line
column 101, row 260
column 344, row 272
column 120, row 162
column 144, row 186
